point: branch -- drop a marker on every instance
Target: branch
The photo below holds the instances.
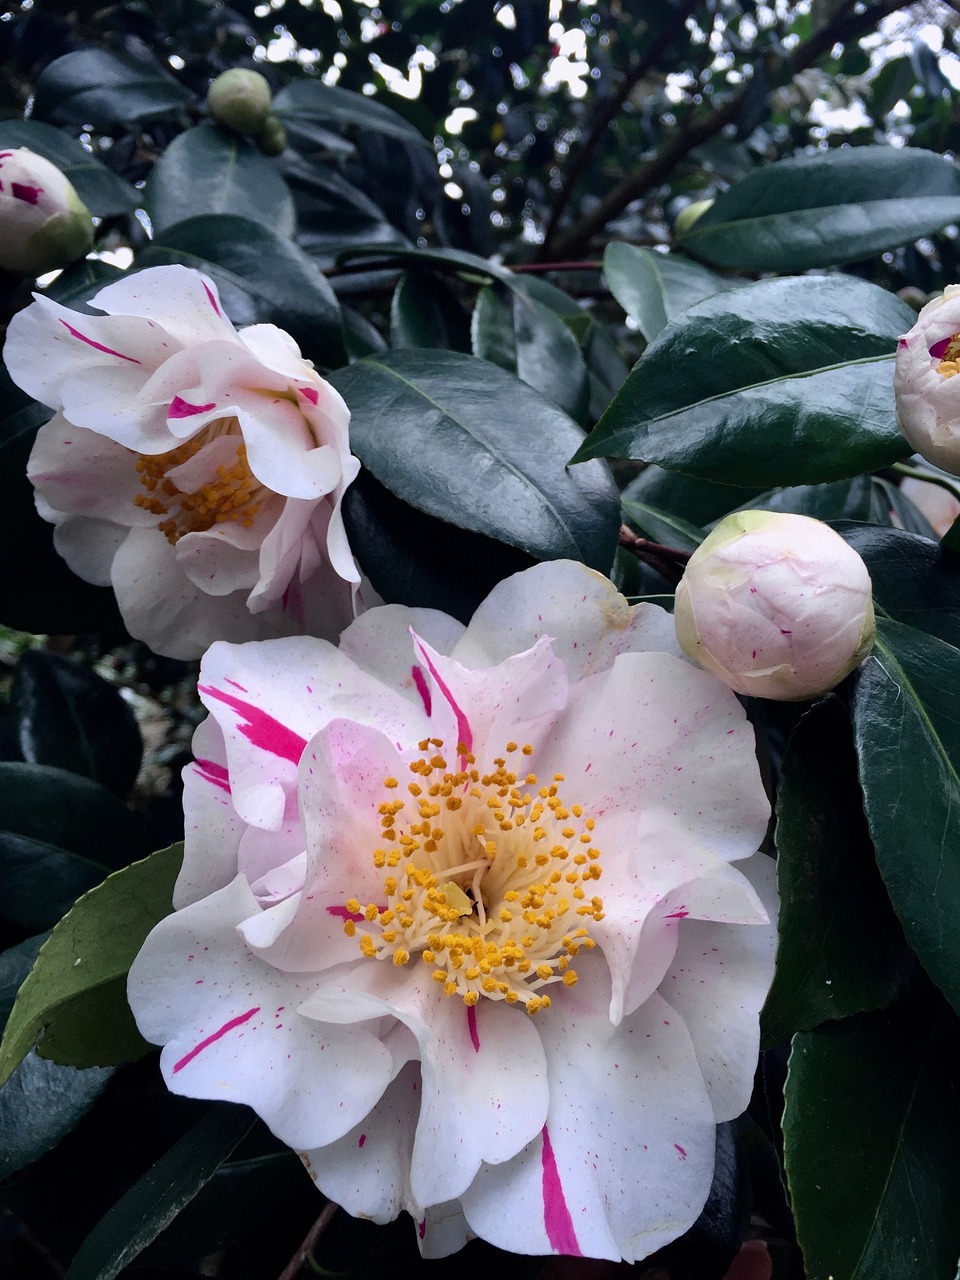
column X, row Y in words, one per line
column 296, row 1263
column 609, row 113
column 845, row 27
column 668, row 561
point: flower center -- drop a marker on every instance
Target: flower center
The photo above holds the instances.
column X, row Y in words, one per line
column 949, row 353
column 232, row 493
column 486, row 880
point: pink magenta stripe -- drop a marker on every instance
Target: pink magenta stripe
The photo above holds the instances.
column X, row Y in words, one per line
column 261, row 729
column 180, row 408
column 464, row 732
column 344, row 914
column 310, row 393
column 420, row 680
column 97, row 345
column 204, row 1044
column 213, row 300
column 938, row 348
column 556, row 1215
column 210, row 771
column 472, row 1027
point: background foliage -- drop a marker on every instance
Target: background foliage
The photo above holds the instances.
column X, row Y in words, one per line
column 489, row 206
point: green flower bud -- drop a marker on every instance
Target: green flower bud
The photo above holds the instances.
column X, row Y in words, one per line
column 240, row 99
column 272, row 138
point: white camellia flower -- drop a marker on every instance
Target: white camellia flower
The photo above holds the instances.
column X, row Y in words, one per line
column 43, row 222
column 459, row 916
column 927, row 394
column 777, row 605
column 197, row 469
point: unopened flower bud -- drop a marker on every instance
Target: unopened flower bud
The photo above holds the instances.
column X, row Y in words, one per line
column 240, row 99
column 272, row 138
column 43, row 222
column 777, row 605
column 925, row 382
column 689, row 214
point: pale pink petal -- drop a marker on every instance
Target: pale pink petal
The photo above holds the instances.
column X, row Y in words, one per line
column 82, row 473
column 380, row 642
column 212, row 827
column 183, row 302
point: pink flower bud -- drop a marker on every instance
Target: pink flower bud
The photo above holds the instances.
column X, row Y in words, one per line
column 43, row 223
column 777, row 605
column 928, row 396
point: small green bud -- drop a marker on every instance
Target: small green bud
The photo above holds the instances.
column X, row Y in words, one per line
column 689, row 215
column 240, row 99
column 272, row 138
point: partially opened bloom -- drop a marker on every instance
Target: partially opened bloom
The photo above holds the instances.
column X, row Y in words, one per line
column 197, row 469
column 459, row 916
column 927, row 389
column 43, row 222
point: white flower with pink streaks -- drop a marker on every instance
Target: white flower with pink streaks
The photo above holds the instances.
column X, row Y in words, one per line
column 925, row 382
column 459, row 916
column 197, row 469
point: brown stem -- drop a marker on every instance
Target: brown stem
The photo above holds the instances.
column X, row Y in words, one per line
column 780, row 70
column 537, row 268
column 585, row 151
column 668, row 561
column 295, row 1265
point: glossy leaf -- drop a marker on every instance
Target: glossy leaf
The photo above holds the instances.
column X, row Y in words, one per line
column 156, row 1199
column 836, row 500
column 663, row 526
column 906, row 715
column 70, row 717
column 698, row 501
column 653, row 288
column 102, row 191
column 820, row 210
column 39, row 882
column 73, row 1004
column 104, row 87
column 40, row 1104
column 262, row 277
column 73, row 813
column 212, row 170
column 872, row 1146
column 840, row 949
column 467, row 443
column 779, row 382
column 309, row 101
column 423, row 313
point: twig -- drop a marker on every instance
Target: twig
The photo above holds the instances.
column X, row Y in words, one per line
column 780, row 70
column 668, row 561
column 542, row 267
column 296, row 1263
column 928, row 477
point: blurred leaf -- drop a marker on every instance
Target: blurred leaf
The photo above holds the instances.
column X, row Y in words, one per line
column 872, row 1150
column 15, row 963
column 653, row 288
column 469, row 265
column 310, row 102
column 103, row 87
column 156, row 1199
column 840, row 949
column 423, row 313
column 101, row 190
column 70, row 717
column 464, row 441
column 906, row 716
column 820, row 210
column 662, row 526
column 40, row 1104
column 607, row 370
column 73, row 813
column 779, row 381
column 212, row 170
column 263, row 278
column 39, row 882
column 73, row 1005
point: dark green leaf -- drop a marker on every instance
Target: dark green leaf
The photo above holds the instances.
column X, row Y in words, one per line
column 819, row 210
column 783, row 381
column 309, row 101
column 906, row 715
column 840, row 950
column 73, row 1006
column 653, row 288
column 469, row 265
column 103, row 88
column 73, row 813
column 212, row 170
column 40, row 1103
column 908, row 513
column 157, row 1198
column 424, row 313
column 836, row 500
column 873, row 1148
column 662, row 526
column 491, row 330
column 39, row 882
column 263, row 278
column 698, row 501
column 101, row 190
column 15, row 963
column 464, row 441
column 607, row 370
column 70, row 717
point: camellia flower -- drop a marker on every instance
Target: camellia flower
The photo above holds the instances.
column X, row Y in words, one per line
column 778, row 605
column 928, row 398
column 459, row 917
column 43, row 222
column 197, row 469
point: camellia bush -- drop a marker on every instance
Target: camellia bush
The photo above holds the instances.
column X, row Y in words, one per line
column 480, row 637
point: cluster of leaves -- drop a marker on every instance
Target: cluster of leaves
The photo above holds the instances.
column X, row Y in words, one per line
column 473, row 386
